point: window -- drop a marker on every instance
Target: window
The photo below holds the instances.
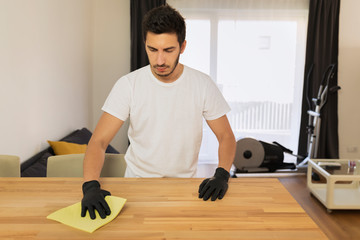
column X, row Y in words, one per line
column 256, row 56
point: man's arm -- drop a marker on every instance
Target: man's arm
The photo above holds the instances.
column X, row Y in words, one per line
column 216, row 186
column 226, row 138
column 94, row 196
column 105, row 130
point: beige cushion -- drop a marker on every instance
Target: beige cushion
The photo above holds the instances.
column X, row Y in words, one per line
column 71, row 165
column 9, row 166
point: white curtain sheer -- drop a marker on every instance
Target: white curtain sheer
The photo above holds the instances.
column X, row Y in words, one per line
column 255, row 51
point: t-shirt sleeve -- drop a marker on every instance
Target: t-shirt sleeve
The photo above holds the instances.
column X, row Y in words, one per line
column 119, row 100
column 215, row 105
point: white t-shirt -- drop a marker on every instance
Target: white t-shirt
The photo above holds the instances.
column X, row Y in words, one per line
column 166, row 120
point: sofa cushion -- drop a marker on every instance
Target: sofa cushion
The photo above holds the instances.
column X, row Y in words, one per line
column 62, row 147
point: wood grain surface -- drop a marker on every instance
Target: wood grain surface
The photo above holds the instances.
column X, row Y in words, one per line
column 253, row 208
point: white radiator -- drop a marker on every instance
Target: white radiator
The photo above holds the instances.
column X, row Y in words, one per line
column 260, row 116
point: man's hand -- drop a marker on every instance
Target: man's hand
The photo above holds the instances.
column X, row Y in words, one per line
column 216, row 186
column 94, row 198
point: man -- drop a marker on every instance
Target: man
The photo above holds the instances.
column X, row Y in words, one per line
column 166, row 103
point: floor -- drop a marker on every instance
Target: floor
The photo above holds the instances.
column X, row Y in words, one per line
column 339, row 224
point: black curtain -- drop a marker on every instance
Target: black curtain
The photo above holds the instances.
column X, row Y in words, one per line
column 321, row 51
column 138, row 8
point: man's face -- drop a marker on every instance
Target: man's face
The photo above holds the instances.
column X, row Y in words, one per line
column 163, row 51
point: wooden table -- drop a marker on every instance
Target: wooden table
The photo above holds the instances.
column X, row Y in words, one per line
column 253, row 208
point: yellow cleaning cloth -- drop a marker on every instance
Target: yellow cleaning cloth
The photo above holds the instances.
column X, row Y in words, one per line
column 71, row 215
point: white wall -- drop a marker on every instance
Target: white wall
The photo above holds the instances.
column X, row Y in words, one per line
column 58, row 61
column 111, row 56
column 349, row 79
column 45, row 72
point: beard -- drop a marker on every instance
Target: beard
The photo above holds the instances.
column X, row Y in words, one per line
column 167, row 66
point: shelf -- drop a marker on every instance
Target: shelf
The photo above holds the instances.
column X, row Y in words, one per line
column 338, row 189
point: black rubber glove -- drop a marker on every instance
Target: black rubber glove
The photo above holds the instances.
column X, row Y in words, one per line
column 94, row 198
column 216, row 186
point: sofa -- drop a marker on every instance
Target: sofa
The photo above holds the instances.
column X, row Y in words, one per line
column 36, row 165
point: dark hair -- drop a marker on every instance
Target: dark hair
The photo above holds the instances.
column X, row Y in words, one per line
column 164, row 19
